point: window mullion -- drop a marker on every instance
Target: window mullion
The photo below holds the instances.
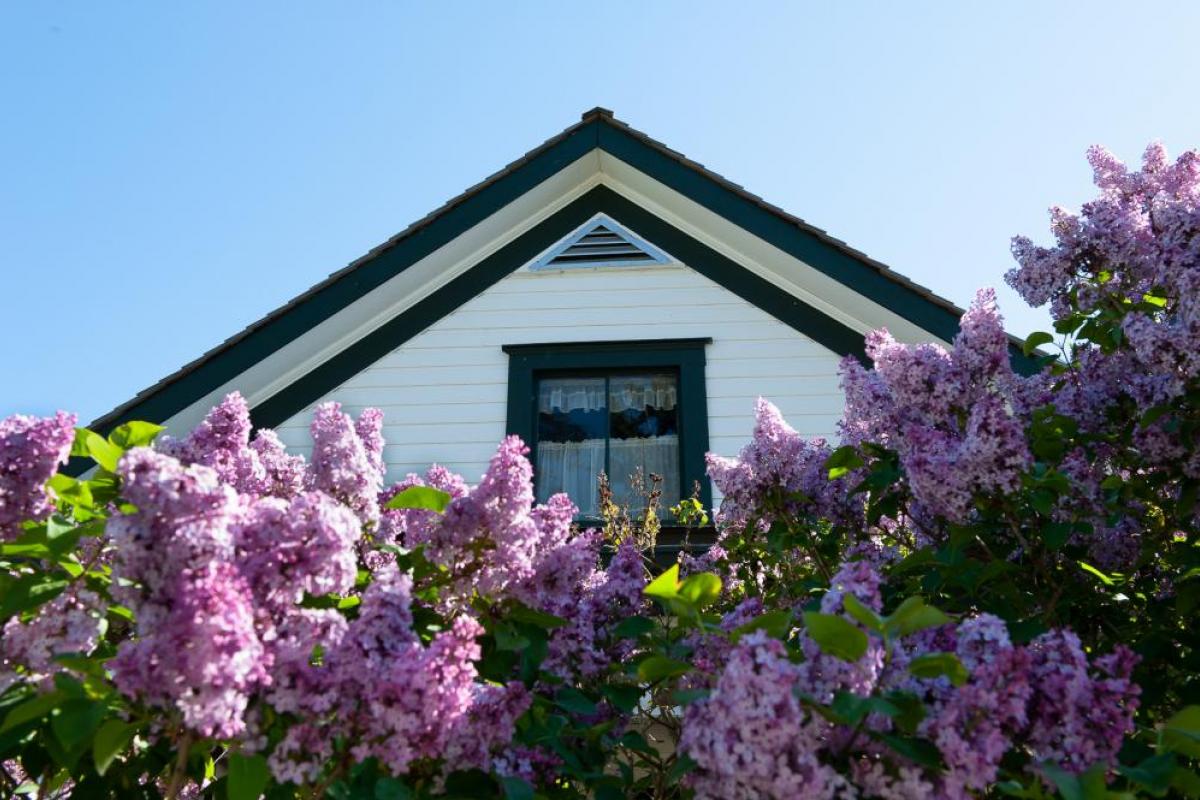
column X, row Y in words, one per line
column 607, row 428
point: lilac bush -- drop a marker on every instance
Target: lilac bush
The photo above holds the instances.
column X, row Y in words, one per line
column 985, row 586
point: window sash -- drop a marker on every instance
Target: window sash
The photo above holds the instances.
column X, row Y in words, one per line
column 530, row 362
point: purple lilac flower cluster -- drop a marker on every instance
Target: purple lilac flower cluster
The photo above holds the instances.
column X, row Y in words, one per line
column 230, row 533
column 1134, row 251
column 396, row 699
column 780, row 464
column 31, row 450
column 950, row 414
column 492, row 537
column 70, row 624
column 754, row 736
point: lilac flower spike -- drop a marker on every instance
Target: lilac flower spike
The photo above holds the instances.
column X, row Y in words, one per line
column 31, row 450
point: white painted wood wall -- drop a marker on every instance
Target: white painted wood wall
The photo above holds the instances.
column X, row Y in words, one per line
column 444, row 393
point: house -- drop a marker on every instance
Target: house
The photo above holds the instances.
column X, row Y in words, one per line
column 615, row 304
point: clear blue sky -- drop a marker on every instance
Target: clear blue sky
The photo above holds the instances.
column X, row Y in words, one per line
column 170, row 172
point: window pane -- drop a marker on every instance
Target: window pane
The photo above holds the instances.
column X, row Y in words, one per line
column 570, row 444
column 643, row 423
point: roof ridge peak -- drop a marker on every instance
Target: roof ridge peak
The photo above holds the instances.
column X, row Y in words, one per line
column 598, row 111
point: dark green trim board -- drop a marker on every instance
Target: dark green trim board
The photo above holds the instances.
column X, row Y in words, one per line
column 597, row 131
column 686, row 356
column 524, row 248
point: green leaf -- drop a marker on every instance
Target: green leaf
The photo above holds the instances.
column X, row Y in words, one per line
column 849, row 708
column 682, row 766
column 921, row 751
column 665, row 586
column 1181, row 733
column 32, row 709
column 1056, row 534
column 842, row 460
column 835, row 635
column 248, row 776
column 657, row 668
column 1105, row 579
column 1185, row 782
column 1153, row 773
column 633, row 627
column 575, row 701
column 1035, row 340
column 933, row 665
column 134, row 434
column 71, row 490
column 1155, row 300
column 516, row 788
column 914, row 615
column 700, row 589
column 777, row 624
column 636, row 741
column 29, row 591
column 113, row 737
column 75, row 721
column 523, row 613
column 685, row 697
column 623, row 698
column 508, row 638
column 422, row 497
column 912, row 710
column 865, row 616
column 388, row 788
column 102, row 451
column 1087, row 786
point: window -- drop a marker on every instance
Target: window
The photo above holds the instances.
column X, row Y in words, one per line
column 611, row 407
column 617, row 423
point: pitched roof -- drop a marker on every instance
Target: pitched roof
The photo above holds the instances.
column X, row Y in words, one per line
column 597, row 129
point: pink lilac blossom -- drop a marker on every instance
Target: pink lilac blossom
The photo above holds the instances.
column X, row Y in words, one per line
column 1140, row 231
column 781, row 464
column 1045, row 696
column 203, row 658
column 751, row 738
column 1139, row 237
column 824, row 675
column 949, row 414
column 70, row 624
column 31, row 450
column 285, row 549
column 283, row 474
column 583, row 647
column 347, row 459
column 975, row 725
column 1079, row 716
column 222, row 442
column 398, row 700
column 491, row 538
column 395, row 524
column 185, row 518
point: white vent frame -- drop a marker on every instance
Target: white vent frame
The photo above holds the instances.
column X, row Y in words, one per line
column 655, row 257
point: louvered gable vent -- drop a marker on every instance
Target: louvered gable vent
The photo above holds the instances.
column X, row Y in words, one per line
column 601, row 243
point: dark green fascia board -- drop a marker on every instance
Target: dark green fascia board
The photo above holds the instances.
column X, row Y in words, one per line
column 524, row 248
column 684, row 355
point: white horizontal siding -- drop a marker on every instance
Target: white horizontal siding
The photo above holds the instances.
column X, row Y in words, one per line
column 444, row 392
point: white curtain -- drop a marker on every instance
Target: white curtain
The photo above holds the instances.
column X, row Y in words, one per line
column 625, row 393
column 658, row 455
column 581, row 409
column 571, row 467
column 637, row 392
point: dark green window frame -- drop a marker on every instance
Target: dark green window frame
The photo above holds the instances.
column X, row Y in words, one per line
column 685, row 357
